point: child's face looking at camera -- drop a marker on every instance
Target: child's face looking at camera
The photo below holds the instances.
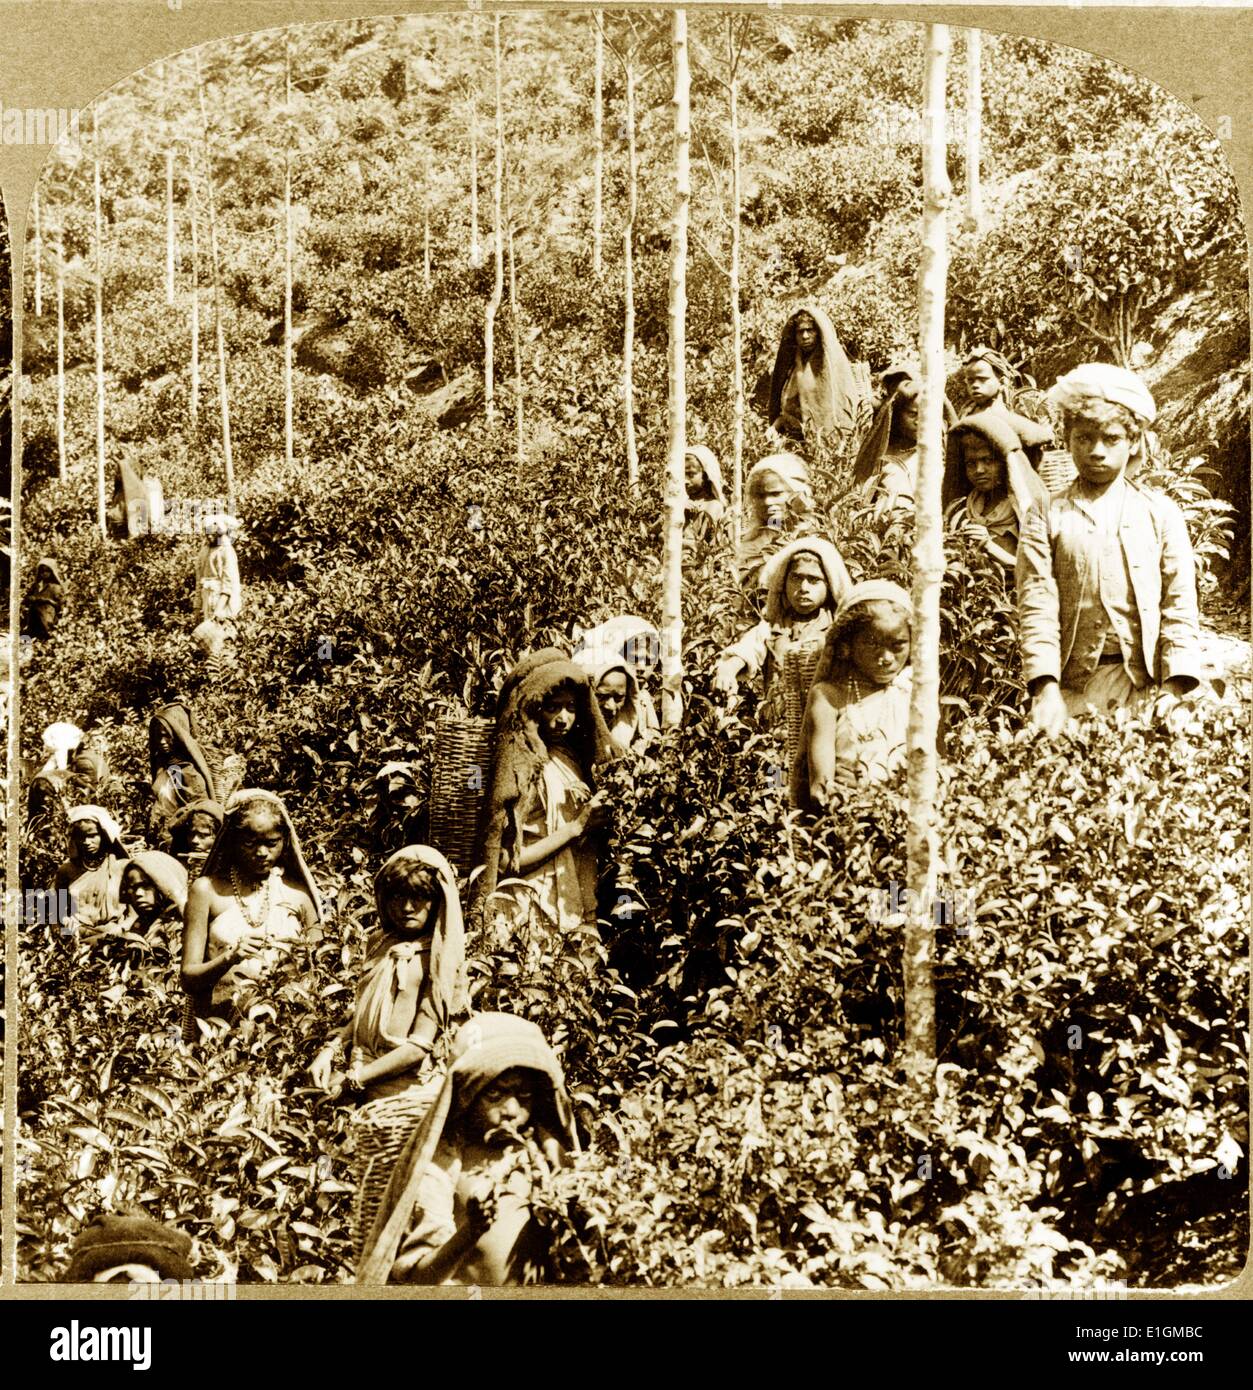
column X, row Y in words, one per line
column 611, row 694
column 88, row 839
column 503, row 1105
column 806, row 586
column 982, row 383
column 557, row 715
column 984, row 469
column 879, row 648
column 409, row 911
column 139, row 893
column 202, row 830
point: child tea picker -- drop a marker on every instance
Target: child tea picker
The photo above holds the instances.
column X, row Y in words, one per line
column 804, row 583
column 1106, row 575
column 458, row 1207
column 412, row 990
column 93, row 871
column 987, row 379
column 988, row 484
column 253, row 902
column 779, row 497
column 858, row 710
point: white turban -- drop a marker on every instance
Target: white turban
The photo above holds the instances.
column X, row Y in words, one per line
column 1105, row 382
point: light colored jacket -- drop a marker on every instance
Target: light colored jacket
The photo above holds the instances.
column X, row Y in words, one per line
column 1057, row 581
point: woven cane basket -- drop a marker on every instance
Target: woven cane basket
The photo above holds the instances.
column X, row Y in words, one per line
column 1057, row 470
column 799, row 665
column 460, row 777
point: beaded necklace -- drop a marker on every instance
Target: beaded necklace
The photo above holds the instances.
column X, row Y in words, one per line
column 262, row 921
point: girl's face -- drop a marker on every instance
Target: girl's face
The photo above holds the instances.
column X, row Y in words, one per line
column 88, row 840
column 161, row 743
column 905, row 415
column 806, row 334
column 503, row 1105
column 611, row 694
column 806, row 586
column 694, row 476
column 1101, row 449
column 985, row 469
column 410, row 912
column 643, row 653
column 139, row 893
column 879, row 649
column 982, row 383
column 557, row 715
column 262, row 841
column 202, row 830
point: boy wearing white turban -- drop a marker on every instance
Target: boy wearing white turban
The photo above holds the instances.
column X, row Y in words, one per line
column 1105, row 571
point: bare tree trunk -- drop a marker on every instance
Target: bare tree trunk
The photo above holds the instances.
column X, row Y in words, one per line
column 101, row 520
column 598, row 165
column 169, row 227
column 928, row 565
column 38, row 252
column 62, row 463
column 498, row 284
column 675, row 488
column 737, row 353
column 974, row 128
column 628, row 283
column 218, row 316
column 194, row 220
column 426, row 239
column 517, row 341
column 476, row 252
column 289, row 422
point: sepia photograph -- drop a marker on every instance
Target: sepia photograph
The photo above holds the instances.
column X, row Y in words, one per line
column 633, row 669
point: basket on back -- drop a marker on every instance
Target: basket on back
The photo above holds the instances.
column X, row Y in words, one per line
column 461, row 775
column 1057, row 470
column 799, row 664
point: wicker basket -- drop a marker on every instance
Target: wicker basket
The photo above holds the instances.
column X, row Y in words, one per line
column 1058, row 471
column 461, row 775
column 799, row 664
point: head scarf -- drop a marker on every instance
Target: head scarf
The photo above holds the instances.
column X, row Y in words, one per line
column 219, row 594
column 1023, row 482
column 486, row 1047
column 293, row 861
column 521, row 753
column 525, row 666
column 839, row 392
column 166, row 873
column 711, row 469
column 622, row 637
column 128, row 1239
column 176, row 720
column 1105, row 382
column 792, row 470
column 598, row 664
column 872, row 449
column 109, row 828
column 997, row 361
column 141, row 498
column 61, row 738
column 388, row 952
column 857, row 596
column 90, row 763
column 48, row 563
column 774, row 575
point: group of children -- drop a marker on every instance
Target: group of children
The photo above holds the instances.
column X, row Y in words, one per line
column 459, row 1115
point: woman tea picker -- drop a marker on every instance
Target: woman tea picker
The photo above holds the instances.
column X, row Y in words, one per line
column 253, row 902
column 544, row 814
column 93, row 872
column 779, row 498
column 413, row 988
column 813, row 393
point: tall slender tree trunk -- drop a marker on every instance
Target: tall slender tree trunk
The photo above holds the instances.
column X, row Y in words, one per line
column 498, row 284
column 672, row 553
column 101, row 520
column 476, row 251
column 218, row 312
column 194, row 227
column 928, row 565
column 38, row 253
column 62, row 463
column 289, row 412
column 737, row 350
column 974, row 128
column 170, row 239
column 598, row 156
column 514, row 315
column 628, row 284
